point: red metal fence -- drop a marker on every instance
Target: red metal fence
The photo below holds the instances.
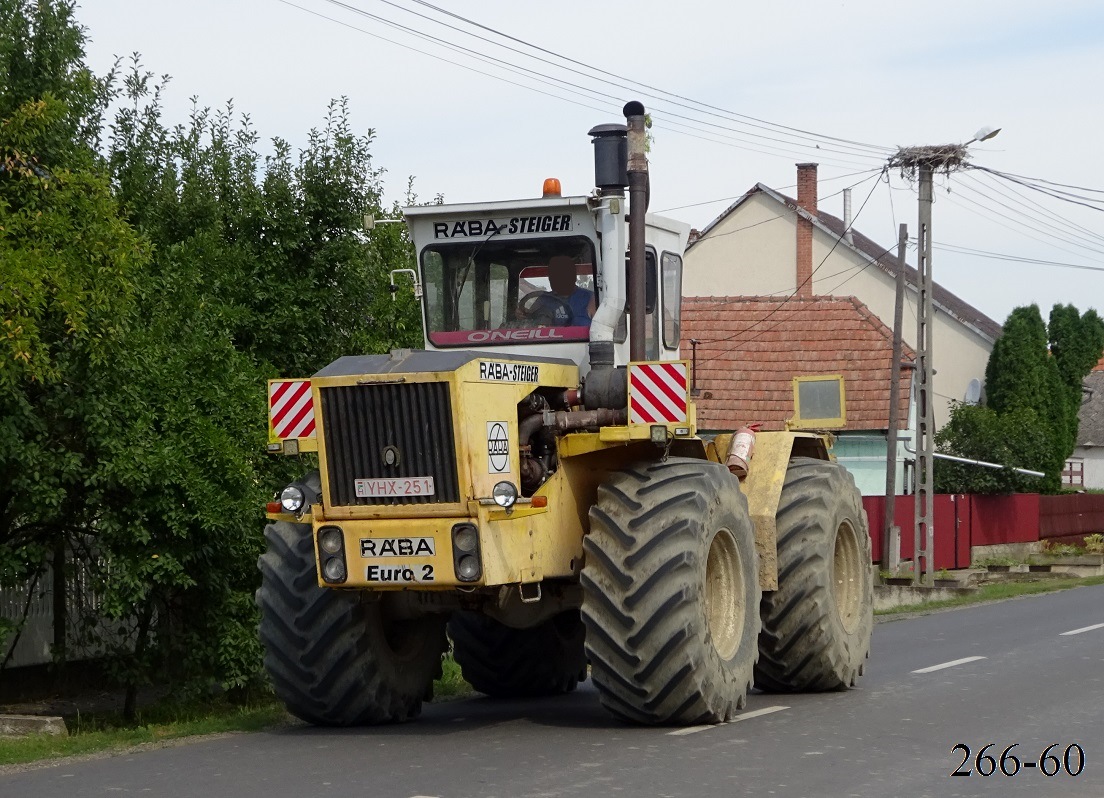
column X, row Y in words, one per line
column 952, row 524
column 1072, row 514
column 962, row 521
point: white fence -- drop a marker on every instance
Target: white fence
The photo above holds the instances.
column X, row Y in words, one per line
column 35, row 642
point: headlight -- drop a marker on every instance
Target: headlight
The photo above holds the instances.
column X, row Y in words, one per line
column 465, row 552
column 334, row 570
column 330, row 540
column 504, row 494
column 465, row 538
column 467, row 568
column 292, row 498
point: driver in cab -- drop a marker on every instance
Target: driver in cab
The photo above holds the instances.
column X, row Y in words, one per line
column 566, row 304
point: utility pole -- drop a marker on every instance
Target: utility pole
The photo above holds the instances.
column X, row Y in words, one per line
column 922, row 163
column 923, row 531
column 891, row 534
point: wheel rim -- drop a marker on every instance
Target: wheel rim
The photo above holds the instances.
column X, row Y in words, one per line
column 724, row 594
column 847, row 576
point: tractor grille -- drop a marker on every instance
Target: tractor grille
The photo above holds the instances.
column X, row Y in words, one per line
column 362, row 421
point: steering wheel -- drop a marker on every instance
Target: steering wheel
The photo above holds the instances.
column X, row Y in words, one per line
column 544, row 307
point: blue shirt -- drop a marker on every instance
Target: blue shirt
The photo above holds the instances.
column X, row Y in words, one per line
column 579, row 302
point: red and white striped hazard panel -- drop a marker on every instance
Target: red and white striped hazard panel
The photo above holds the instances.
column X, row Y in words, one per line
column 657, row 393
column 290, row 409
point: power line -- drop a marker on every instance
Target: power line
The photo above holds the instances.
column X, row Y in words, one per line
column 1037, row 180
column 439, row 58
column 515, row 68
column 787, row 214
column 729, row 114
column 783, row 188
column 1015, row 226
column 1004, row 186
column 575, row 88
column 1048, row 226
column 1065, row 196
column 980, row 253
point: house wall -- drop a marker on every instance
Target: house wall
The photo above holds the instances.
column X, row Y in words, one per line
column 749, row 253
column 752, row 252
column 864, row 455
column 1094, row 465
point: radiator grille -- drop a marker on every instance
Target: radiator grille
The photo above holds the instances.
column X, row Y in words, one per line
column 361, row 421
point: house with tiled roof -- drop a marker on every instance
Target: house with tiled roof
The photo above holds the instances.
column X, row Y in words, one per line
column 1087, row 462
column 747, row 350
column 767, row 244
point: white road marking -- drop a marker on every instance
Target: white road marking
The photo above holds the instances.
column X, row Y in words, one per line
column 746, row 716
column 1083, row 629
column 950, row 664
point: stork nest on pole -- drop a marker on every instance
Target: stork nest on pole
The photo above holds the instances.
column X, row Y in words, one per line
column 944, row 158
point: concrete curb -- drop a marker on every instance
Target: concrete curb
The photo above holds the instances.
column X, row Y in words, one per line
column 22, row 725
column 888, row 597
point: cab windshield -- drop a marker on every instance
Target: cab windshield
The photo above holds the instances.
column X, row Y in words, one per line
column 509, row 291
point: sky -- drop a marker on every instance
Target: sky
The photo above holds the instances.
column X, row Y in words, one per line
column 739, row 94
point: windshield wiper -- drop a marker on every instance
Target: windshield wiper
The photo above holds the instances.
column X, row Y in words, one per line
column 468, row 266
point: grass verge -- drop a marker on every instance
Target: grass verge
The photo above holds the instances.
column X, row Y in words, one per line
column 98, row 733
column 107, row 732
column 995, row 591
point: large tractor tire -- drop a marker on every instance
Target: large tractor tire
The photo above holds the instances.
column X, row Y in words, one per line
column 671, row 593
column 502, row 662
column 335, row 658
column 817, row 625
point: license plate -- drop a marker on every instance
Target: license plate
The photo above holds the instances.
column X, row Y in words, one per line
column 394, row 487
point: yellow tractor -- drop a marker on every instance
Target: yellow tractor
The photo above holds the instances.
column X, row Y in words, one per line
column 532, row 486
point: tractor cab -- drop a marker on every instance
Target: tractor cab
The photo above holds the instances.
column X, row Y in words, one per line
column 530, row 277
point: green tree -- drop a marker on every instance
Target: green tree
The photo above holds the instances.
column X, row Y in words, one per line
column 1033, row 385
column 288, row 267
column 256, row 272
column 1076, row 344
column 1016, row 376
column 146, row 295
column 42, row 56
column 67, row 266
column 1021, row 375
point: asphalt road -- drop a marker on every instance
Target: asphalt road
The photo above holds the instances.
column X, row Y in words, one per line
column 1028, row 671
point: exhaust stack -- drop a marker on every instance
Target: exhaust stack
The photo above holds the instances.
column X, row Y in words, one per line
column 610, row 178
column 619, row 163
column 638, row 207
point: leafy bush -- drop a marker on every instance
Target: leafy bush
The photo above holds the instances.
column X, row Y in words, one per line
column 1033, row 385
column 1016, row 438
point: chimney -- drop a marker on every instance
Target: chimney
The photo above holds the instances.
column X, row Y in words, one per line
column 807, row 200
column 847, row 217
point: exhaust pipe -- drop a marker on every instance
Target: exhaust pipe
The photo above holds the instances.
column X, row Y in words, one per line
column 637, row 169
column 610, row 160
column 619, row 163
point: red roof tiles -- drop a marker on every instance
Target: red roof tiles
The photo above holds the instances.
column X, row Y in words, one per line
column 750, row 349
